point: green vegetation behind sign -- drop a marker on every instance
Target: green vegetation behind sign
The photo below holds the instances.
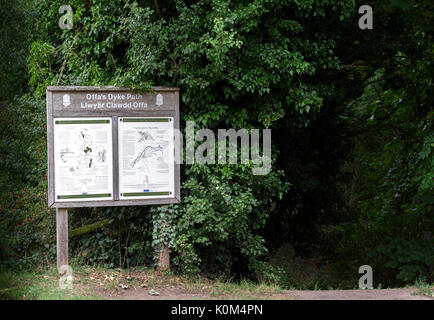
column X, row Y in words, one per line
column 350, row 112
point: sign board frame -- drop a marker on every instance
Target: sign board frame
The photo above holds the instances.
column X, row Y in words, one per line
column 91, row 102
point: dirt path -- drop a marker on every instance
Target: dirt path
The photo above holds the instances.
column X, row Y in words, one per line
column 180, row 294
column 383, row 294
column 150, row 285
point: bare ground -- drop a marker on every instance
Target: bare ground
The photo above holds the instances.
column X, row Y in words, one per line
column 150, row 285
column 376, row 294
column 382, row 294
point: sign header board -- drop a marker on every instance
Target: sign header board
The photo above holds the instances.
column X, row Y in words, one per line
column 109, row 146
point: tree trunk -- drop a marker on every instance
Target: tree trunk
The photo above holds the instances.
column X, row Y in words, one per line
column 164, row 259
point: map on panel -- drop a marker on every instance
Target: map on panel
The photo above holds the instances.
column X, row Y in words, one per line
column 83, row 159
column 146, row 159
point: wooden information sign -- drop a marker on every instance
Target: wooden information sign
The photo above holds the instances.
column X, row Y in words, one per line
column 110, row 146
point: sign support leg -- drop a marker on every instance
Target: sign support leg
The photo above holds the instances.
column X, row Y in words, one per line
column 164, row 263
column 62, row 237
column 164, row 259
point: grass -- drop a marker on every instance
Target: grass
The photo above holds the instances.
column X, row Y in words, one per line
column 222, row 289
column 100, row 283
column 296, row 273
column 194, row 287
column 424, row 288
column 38, row 285
column 92, row 282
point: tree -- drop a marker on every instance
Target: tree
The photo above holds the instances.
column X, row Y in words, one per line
column 238, row 65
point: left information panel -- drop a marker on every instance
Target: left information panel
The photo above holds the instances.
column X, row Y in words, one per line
column 83, row 159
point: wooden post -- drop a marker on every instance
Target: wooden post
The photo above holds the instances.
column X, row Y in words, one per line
column 164, row 259
column 62, row 237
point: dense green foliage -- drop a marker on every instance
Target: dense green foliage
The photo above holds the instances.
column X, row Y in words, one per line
column 15, row 38
column 394, row 151
column 350, row 113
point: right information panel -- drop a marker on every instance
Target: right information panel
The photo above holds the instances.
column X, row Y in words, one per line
column 146, row 158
